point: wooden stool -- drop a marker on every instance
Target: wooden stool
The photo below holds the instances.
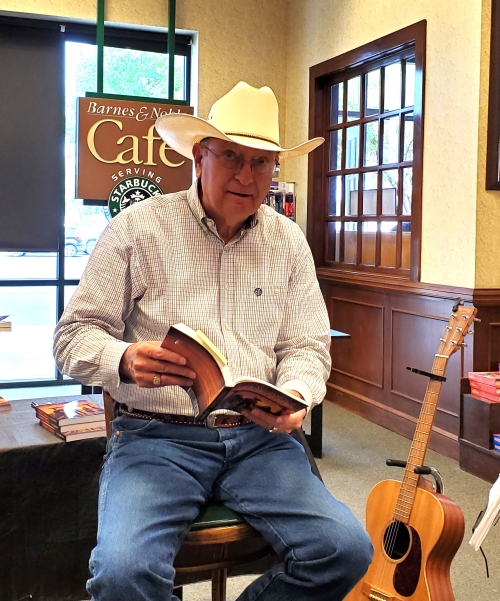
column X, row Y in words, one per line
column 219, row 539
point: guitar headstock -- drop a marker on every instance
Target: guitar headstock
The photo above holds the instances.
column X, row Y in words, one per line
column 457, row 328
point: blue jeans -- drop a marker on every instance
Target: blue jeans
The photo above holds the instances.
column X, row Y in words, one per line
column 156, row 477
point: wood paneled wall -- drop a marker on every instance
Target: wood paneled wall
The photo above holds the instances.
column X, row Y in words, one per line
column 395, row 325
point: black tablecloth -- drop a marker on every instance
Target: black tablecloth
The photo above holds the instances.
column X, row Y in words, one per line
column 48, row 508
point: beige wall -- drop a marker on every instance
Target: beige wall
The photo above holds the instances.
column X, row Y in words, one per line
column 276, row 41
column 327, row 28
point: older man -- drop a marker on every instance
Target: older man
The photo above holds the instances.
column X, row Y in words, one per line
column 216, row 259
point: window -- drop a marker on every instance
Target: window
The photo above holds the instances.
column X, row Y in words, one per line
column 366, row 204
column 35, row 286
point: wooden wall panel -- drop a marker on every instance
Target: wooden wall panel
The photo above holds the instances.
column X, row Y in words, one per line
column 362, row 358
column 393, row 327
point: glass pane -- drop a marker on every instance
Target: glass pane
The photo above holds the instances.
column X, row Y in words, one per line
column 410, row 82
column 392, row 87
column 370, row 193
column 335, row 149
column 408, row 137
column 351, row 194
column 334, row 195
column 141, row 73
column 388, row 231
column 390, row 153
column 27, row 266
column 371, row 144
column 389, row 191
column 352, row 147
column 26, row 350
column 368, row 242
column 333, row 241
column 336, row 103
column 353, row 98
column 406, row 244
column 407, row 190
column 372, row 83
column 350, row 241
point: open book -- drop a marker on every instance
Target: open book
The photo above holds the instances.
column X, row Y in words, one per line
column 214, row 386
column 489, row 518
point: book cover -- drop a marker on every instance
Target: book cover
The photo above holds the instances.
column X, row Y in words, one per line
column 5, row 404
column 73, row 412
column 214, row 386
column 485, row 387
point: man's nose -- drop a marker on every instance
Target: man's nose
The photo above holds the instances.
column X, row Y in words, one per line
column 245, row 174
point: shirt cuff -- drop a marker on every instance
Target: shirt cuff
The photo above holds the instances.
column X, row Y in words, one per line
column 110, row 363
column 301, row 388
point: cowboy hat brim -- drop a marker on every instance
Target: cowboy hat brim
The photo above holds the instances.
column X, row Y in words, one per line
column 182, row 131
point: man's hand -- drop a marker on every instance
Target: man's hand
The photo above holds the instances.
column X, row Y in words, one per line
column 279, row 424
column 150, row 366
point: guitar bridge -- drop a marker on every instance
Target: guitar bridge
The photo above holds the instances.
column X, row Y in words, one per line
column 371, row 592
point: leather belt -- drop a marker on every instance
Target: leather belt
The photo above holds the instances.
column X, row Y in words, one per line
column 212, row 421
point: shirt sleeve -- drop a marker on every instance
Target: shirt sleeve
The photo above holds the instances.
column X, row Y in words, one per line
column 303, row 346
column 89, row 338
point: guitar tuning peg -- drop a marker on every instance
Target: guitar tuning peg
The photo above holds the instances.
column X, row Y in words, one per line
column 453, row 316
column 443, row 339
column 459, row 329
column 471, row 332
column 477, row 320
column 464, row 344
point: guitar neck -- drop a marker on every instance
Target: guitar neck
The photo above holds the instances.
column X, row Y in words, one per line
column 420, row 441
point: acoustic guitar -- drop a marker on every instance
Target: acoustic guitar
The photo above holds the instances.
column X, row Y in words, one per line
column 415, row 531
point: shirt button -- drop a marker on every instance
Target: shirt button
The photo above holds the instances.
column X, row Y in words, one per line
column 226, row 287
column 277, row 290
column 228, row 327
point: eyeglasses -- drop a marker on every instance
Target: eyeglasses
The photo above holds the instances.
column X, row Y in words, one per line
column 235, row 162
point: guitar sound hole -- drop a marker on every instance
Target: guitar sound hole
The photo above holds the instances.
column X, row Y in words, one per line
column 396, row 540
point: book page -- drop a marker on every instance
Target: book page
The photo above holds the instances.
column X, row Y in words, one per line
column 489, row 517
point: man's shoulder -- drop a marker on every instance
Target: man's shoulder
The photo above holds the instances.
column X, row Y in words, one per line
column 273, row 221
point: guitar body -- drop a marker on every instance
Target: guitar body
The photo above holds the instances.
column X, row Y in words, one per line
column 411, row 561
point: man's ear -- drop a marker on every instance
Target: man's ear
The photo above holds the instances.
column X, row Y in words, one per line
column 198, row 158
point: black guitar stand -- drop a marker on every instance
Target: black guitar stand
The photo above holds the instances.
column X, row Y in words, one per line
column 424, row 470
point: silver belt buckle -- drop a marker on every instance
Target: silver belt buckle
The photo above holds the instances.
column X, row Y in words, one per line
column 210, row 421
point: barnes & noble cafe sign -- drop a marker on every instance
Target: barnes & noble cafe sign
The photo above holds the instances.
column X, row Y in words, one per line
column 121, row 158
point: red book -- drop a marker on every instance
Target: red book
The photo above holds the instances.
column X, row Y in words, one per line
column 481, row 394
column 490, row 378
column 73, row 412
column 485, row 388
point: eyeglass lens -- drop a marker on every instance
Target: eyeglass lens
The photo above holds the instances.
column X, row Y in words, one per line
column 235, row 162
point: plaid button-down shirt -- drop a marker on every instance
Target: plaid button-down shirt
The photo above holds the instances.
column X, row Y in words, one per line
column 161, row 262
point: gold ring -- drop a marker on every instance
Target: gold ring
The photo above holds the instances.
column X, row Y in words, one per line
column 157, row 380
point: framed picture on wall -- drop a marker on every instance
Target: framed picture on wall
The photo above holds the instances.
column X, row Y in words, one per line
column 493, row 138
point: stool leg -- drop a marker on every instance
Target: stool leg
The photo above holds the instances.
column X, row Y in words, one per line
column 219, row 578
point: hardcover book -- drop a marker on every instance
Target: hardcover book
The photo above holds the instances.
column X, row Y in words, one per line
column 214, row 387
column 78, row 434
column 73, row 412
column 489, row 378
column 484, row 395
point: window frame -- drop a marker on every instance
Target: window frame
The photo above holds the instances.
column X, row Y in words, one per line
column 115, row 36
column 322, row 76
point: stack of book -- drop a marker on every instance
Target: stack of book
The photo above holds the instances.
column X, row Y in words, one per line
column 75, row 420
column 485, row 385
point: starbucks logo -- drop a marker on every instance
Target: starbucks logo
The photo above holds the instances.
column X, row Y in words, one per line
column 128, row 192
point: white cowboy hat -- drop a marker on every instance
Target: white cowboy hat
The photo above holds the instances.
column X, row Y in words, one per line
column 245, row 115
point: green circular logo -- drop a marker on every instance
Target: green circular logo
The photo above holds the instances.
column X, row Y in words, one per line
column 128, row 192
